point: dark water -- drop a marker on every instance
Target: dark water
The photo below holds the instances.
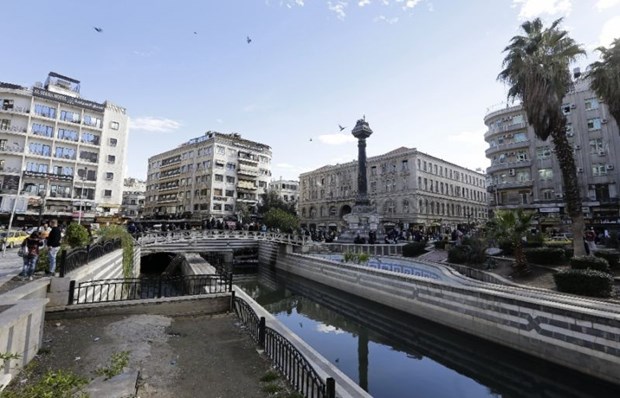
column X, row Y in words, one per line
column 392, row 354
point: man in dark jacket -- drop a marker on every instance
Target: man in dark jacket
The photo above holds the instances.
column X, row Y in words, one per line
column 53, row 244
column 30, row 254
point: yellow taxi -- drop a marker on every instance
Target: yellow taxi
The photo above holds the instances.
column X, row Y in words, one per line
column 558, row 240
column 12, row 238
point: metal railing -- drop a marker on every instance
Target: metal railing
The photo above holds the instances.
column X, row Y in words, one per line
column 78, row 257
column 284, row 355
column 121, row 289
column 153, row 238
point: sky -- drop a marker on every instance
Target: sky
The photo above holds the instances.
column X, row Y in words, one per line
column 422, row 72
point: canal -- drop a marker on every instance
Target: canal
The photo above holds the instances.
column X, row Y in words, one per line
column 392, row 354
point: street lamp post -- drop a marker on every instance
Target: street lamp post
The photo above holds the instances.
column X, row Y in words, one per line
column 13, row 209
column 43, row 196
column 82, row 195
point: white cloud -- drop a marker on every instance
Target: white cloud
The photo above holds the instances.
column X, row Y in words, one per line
column 336, row 139
column 535, row 8
column 328, row 329
column 605, row 4
column 146, row 53
column 153, row 124
column 387, row 20
column 338, row 7
column 610, row 31
column 363, row 3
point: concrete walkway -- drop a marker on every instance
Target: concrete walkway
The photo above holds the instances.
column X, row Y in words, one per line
column 10, row 265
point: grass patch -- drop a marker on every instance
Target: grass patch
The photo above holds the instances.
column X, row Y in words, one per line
column 272, row 388
column 117, row 362
column 54, row 384
column 270, row 376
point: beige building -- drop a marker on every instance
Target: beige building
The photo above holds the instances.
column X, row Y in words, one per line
column 214, row 175
column 287, row 190
column 64, row 153
column 524, row 171
column 133, row 198
column 409, row 188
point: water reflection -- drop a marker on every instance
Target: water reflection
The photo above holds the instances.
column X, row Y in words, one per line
column 392, row 354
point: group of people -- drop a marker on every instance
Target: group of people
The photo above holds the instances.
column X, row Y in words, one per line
column 47, row 235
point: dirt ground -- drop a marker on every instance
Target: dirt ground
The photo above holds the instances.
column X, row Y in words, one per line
column 187, row 356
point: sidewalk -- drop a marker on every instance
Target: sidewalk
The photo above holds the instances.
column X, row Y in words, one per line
column 10, row 265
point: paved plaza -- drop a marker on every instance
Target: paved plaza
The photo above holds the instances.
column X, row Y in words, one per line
column 10, row 265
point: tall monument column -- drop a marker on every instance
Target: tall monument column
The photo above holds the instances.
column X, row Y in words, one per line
column 361, row 131
column 363, row 221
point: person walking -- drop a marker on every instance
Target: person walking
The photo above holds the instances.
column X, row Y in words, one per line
column 53, row 244
column 30, row 250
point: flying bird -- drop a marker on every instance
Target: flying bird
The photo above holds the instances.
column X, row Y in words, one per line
column 310, row 139
column 341, row 128
column 99, row 30
column 195, row 33
column 248, row 39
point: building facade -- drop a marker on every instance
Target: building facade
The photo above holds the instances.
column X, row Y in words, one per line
column 411, row 189
column 287, row 190
column 59, row 152
column 134, row 192
column 525, row 173
column 213, row 176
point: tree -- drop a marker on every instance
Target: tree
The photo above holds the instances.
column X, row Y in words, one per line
column 278, row 218
column 536, row 67
column 76, row 235
column 271, row 199
column 605, row 77
column 512, row 226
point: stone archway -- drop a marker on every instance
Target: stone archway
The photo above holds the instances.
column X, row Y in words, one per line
column 344, row 210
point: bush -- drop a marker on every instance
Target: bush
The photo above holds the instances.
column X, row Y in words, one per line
column 470, row 251
column 612, row 257
column 534, row 240
column 590, row 262
column 440, row 244
column 76, row 235
column 545, row 255
column 414, row 249
column 507, row 247
column 459, row 254
column 127, row 242
column 612, row 242
column 569, row 252
column 585, row 282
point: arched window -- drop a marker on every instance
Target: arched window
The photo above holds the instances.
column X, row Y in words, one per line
column 332, row 211
column 406, row 206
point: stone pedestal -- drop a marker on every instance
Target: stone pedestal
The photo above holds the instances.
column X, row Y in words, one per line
column 361, row 221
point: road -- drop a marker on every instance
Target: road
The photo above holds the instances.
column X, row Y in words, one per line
column 10, row 265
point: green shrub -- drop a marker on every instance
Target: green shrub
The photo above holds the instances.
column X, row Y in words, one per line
column 76, row 235
column 534, row 240
column 440, row 244
column 585, row 282
column 590, row 262
column 471, row 251
column 414, row 249
column 612, row 257
column 507, row 247
column 127, row 242
column 569, row 252
column 545, row 255
column 459, row 254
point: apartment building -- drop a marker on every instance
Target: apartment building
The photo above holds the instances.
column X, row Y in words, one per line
column 287, row 190
column 215, row 175
column 410, row 189
column 134, row 193
column 62, row 152
column 525, row 173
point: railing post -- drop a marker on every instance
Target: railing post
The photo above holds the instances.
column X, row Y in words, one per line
column 87, row 253
column 71, row 292
column 232, row 301
column 159, row 288
column 63, row 263
column 261, row 332
column 330, row 387
column 230, row 281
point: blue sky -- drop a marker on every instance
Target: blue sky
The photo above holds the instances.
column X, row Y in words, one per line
column 423, row 72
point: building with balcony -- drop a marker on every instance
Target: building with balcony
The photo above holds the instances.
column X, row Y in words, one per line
column 411, row 189
column 62, row 151
column 525, row 173
column 287, row 190
column 212, row 176
column 134, row 192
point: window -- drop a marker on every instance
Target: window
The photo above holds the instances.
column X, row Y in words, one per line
column 219, row 177
column 543, row 152
column 107, row 193
column 114, row 125
column 521, row 156
column 523, row 175
column 230, row 179
column 566, row 109
column 111, row 159
column 113, row 141
column 230, row 193
column 520, row 137
column 45, row 111
column 217, row 206
column 109, row 176
column 599, row 169
column 594, row 124
column 591, row 104
column 596, row 146
column 220, row 150
column 373, row 171
column 68, row 116
column 42, row 130
column 545, row 174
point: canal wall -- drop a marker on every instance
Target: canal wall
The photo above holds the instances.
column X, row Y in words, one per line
column 578, row 333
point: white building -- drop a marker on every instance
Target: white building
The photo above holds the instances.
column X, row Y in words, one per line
column 214, row 175
column 287, row 190
column 62, row 151
column 134, row 191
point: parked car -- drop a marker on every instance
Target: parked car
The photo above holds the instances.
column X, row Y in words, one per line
column 12, row 238
column 558, row 240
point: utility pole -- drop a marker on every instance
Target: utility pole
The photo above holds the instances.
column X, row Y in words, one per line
column 82, row 195
column 19, row 186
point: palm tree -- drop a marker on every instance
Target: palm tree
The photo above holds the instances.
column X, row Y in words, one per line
column 605, row 77
column 536, row 67
column 512, row 226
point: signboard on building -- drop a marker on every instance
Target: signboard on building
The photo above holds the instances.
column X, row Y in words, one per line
column 6, row 205
column 79, row 102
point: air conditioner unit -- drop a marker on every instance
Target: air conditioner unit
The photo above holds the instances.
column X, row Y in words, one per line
column 601, row 153
column 511, row 172
column 570, row 134
column 610, row 167
column 577, row 147
column 559, row 195
column 603, row 121
column 579, row 169
column 573, row 106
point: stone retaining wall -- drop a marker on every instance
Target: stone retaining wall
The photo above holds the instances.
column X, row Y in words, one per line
column 578, row 333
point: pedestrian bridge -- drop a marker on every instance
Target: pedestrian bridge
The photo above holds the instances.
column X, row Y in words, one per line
column 212, row 240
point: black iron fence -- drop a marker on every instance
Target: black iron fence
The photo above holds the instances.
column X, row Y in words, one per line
column 71, row 260
column 285, row 356
column 110, row 290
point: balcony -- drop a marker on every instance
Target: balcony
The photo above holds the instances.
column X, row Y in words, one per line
column 503, row 129
column 16, row 149
column 501, row 109
column 509, row 165
column 510, row 185
column 507, row 147
column 14, row 109
column 13, row 129
column 248, row 171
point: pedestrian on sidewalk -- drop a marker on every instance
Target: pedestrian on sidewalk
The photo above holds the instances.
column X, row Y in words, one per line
column 30, row 253
column 53, row 245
